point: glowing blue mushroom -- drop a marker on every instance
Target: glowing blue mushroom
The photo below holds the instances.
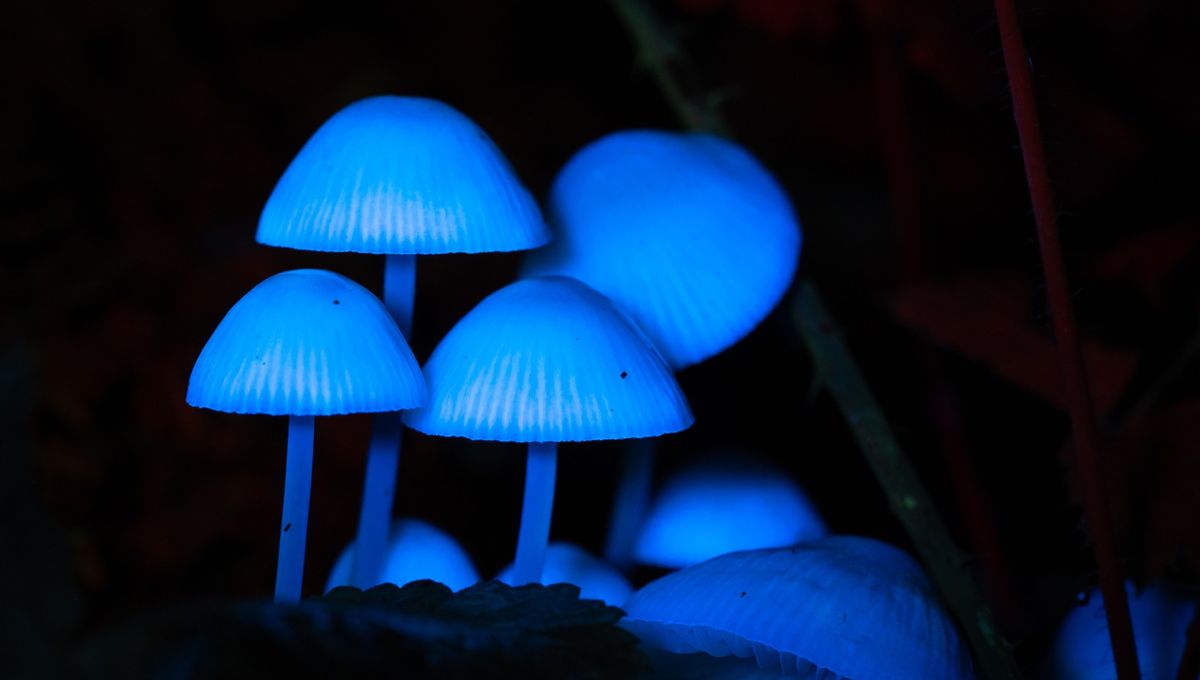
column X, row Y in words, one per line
column 542, row 361
column 305, row 343
column 725, row 504
column 1160, row 615
column 688, row 234
column 840, row 607
column 398, row 176
column 568, row 563
column 416, row 550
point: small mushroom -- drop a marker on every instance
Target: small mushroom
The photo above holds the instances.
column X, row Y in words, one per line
column 398, row 176
column 723, row 504
column 540, row 362
column 416, row 550
column 1160, row 615
column 569, row 563
column 839, row 607
column 305, row 343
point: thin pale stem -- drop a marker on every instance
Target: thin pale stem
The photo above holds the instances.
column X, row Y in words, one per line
column 383, row 452
column 379, row 491
column 1066, row 339
column 540, row 469
column 631, row 501
column 293, row 528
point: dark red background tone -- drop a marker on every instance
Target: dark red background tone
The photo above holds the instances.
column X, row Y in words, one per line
column 142, row 139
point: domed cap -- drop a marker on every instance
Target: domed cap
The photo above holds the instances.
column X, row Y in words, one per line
column 1160, row 615
column 685, row 232
column 401, row 175
column 307, row 343
column 548, row 360
column 596, row 579
column 724, row 504
column 416, row 550
column 850, row 606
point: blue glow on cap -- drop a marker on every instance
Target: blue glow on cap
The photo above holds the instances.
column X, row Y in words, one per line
column 548, row 360
column 416, row 550
column 568, row 563
column 1160, row 616
column 401, row 175
column 846, row 605
column 309, row 343
column 723, row 505
column 687, row 233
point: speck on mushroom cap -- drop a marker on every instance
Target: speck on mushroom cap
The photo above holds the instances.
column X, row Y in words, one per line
column 401, row 175
column 548, row 360
column 721, row 504
column 845, row 605
column 306, row 342
column 688, row 233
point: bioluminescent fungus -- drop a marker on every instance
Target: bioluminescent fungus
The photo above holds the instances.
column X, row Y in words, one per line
column 305, row 343
column 416, row 550
column 838, row 607
column 1160, row 615
column 725, row 504
column 568, row 563
column 690, row 236
column 398, row 176
column 687, row 233
column 542, row 361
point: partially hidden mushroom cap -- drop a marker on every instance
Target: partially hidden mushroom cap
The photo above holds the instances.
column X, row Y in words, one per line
column 722, row 504
column 548, row 360
column 847, row 606
column 1160, row 615
column 416, row 550
column 595, row 578
column 401, row 175
column 306, row 342
column 688, row 233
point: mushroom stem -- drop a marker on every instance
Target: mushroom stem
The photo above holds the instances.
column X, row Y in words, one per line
column 383, row 453
column 293, row 528
column 400, row 290
column 540, row 469
column 379, row 491
column 631, row 501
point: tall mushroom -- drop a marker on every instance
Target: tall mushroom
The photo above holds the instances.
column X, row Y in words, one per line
column 690, row 236
column 401, row 177
column 305, row 343
column 543, row 361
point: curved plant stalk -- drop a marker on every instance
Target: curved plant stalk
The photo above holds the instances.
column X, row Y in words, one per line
column 1066, row 336
column 840, row 374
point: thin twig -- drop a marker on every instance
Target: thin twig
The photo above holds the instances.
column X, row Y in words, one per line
column 1066, row 336
column 839, row 372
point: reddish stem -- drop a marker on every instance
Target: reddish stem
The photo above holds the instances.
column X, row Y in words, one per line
column 1083, row 422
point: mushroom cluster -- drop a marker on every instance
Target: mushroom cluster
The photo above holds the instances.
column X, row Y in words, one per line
column 667, row 249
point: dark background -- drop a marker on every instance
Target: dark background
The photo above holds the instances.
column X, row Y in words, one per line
column 141, row 140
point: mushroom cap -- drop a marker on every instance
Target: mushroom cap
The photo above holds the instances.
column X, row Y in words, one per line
column 848, row 606
column 721, row 505
column 306, row 342
column 1160, row 616
column 568, row 563
column 688, row 233
column 548, row 360
column 416, row 550
column 401, row 175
